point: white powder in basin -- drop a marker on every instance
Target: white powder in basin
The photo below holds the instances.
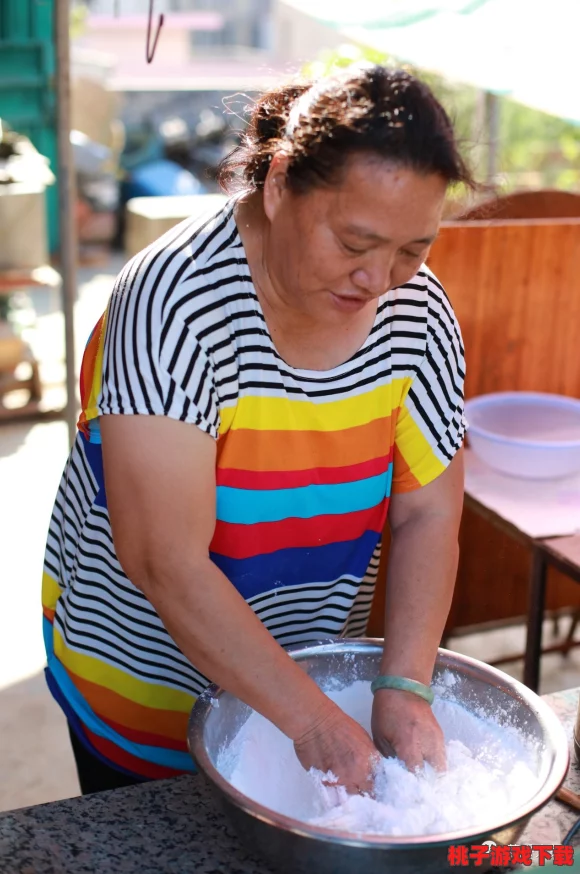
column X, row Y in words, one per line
column 491, row 771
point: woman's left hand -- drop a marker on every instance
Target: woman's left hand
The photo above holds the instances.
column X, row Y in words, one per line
column 404, row 725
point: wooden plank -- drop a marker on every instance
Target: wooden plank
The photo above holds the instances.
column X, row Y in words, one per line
column 545, row 203
column 565, row 553
column 515, row 286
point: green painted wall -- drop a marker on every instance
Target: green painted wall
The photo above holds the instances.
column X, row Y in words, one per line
column 27, row 82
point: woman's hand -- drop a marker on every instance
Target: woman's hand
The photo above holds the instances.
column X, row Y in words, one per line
column 404, row 725
column 335, row 742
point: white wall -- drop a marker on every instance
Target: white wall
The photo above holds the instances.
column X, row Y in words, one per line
column 299, row 38
column 126, row 7
column 128, row 44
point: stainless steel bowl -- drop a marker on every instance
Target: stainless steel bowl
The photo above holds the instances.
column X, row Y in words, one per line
column 299, row 848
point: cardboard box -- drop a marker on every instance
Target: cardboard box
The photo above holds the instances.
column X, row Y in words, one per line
column 23, row 232
column 148, row 218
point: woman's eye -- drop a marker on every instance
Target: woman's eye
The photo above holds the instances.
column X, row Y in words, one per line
column 352, row 251
column 409, row 254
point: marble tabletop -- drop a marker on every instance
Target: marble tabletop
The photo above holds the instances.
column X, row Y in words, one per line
column 163, row 827
column 177, row 827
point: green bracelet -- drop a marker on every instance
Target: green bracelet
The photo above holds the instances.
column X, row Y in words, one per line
column 403, row 684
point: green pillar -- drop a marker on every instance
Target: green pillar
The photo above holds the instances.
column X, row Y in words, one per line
column 27, row 93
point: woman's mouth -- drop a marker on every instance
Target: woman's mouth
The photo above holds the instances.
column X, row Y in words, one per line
column 349, row 302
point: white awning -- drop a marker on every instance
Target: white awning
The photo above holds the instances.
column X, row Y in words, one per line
column 528, row 50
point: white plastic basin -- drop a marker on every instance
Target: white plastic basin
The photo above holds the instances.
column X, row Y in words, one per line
column 526, row 434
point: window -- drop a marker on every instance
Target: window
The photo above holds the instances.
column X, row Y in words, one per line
column 246, row 25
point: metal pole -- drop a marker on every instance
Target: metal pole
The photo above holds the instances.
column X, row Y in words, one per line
column 479, row 133
column 492, row 118
column 536, row 606
column 66, row 205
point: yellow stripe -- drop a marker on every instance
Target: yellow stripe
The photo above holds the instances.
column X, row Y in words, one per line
column 416, row 449
column 91, row 411
column 227, row 415
column 281, row 414
column 51, row 591
column 96, row 671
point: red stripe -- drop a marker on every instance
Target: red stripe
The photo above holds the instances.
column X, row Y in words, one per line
column 87, row 374
column 88, row 362
column 293, row 479
column 119, row 757
column 244, row 541
column 145, row 737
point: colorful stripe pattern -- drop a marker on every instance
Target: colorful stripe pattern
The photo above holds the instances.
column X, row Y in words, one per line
column 306, row 465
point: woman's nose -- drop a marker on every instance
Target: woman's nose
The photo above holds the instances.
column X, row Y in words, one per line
column 373, row 279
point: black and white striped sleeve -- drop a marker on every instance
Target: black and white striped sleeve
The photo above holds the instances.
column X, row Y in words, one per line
column 431, row 422
column 153, row 363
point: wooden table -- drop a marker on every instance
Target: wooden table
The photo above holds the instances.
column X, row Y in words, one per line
column 562, row 553
column 12, row 281
column 39, row 277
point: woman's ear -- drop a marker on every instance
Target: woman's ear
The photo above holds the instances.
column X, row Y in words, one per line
column 275, row 184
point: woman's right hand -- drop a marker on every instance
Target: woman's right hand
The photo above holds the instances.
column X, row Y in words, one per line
column 335, row 742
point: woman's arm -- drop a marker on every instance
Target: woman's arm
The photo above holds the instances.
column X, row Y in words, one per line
column 161, row 495
column 420, row 581
column 421, row 574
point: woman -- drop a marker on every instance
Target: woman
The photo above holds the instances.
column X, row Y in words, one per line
column 265, row 386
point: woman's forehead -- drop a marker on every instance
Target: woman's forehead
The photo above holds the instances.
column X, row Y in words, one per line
column 372, row 195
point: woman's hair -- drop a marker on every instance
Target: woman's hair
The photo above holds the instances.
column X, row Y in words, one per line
column 373, row 110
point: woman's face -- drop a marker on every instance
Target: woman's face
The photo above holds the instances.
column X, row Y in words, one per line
column 333, row 251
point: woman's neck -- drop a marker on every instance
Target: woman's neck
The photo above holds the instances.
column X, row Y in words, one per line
column 302, row 341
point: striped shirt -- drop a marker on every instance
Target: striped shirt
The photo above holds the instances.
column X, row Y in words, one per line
column 306, row 464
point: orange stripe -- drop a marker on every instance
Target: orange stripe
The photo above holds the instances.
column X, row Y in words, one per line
column 89, row 360
column 49, row 614
column 119, row 757
column 147, row 738
column 403, row 479
column 112, row 706
column 246, row 449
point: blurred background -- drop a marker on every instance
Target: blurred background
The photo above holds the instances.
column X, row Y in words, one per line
column 105, row 144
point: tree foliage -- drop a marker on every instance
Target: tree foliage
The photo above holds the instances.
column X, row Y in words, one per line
column 535, row 150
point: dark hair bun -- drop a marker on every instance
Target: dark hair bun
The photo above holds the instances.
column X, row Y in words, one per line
column 371, row 109
column 247, row 166
column 270, row 115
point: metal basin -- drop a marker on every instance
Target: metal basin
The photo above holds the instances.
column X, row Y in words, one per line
column 298, row 848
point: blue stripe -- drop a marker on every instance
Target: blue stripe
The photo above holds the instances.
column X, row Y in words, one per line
column 78, row 729
column 247, row 506
column 94, row 456
column 157, row 755
column 94, row 431
column 389, row 479
column 298, row 566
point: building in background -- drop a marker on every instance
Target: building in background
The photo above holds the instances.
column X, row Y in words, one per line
column 205, row 45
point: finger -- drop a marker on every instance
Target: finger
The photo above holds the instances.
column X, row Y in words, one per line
column 413, row 762
column 437, row 757
column 330, row 782
column 385, row 748
column 367, row 785
column 411, row 754
column 355, row 787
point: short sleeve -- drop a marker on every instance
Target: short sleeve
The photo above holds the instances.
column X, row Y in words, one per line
column 431, row 421
column 152, row 362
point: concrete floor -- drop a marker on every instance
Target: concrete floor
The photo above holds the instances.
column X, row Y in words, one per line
column 36, row 763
